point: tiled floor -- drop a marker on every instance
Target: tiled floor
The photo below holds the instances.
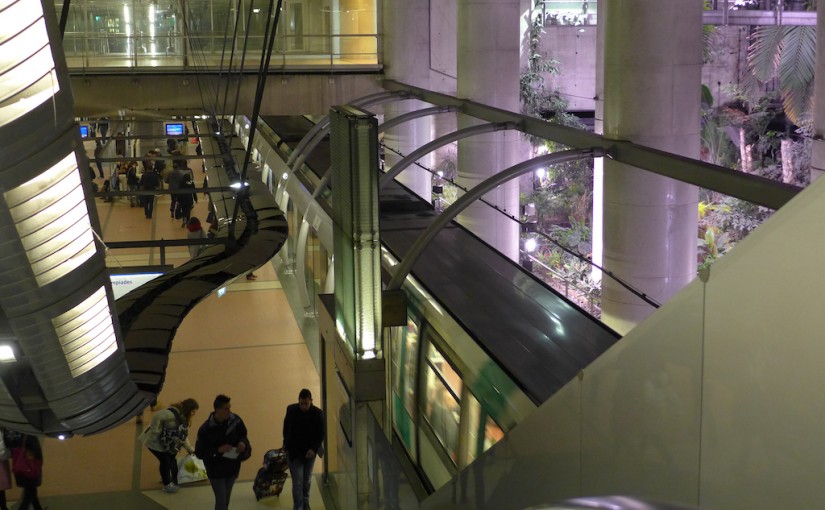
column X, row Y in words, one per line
column 245, row 344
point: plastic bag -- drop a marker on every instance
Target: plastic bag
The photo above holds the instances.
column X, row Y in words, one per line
column 190, row 469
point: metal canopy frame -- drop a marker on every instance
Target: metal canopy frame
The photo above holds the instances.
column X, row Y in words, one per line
column 751, row 188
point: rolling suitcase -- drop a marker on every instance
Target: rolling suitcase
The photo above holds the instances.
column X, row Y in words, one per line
column 271, row 477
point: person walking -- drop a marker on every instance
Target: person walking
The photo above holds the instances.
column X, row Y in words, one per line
column 174, row 180
column 187, row 198
column 5, row 469
column 222, row 444
column 27, row 465
column 303, row 435
column 149, row 181
column 165, row 436
column 195, row 231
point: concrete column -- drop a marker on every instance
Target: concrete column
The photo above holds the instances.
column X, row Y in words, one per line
column 597, row 225
column 652, row 77
column 406, row 59
column 818, row 154
column 488, row 72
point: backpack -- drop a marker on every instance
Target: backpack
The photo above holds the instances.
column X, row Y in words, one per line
column 172, row 439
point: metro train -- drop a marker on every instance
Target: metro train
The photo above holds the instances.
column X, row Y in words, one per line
column 462, row 372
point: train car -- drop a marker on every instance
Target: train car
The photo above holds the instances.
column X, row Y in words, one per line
column 462, row 372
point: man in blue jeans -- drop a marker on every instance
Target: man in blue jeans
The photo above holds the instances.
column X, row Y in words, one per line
column 303, row 435
column 222, row 445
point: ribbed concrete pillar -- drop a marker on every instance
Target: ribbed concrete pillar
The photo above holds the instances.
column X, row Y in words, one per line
column 488, row 72
column 597, row 225
column 818, row 155
column 406, row 59
column 652, row 80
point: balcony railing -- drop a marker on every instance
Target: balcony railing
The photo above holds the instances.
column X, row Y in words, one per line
column 91, row 52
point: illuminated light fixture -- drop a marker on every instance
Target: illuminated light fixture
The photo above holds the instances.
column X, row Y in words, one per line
column 7, row 354
column 541, row 172
column 530, row 245
column 285, row 176
column 86, row 333
column 237, row 185
column 221, row 292
column 256, row 10
column 27, row 72
column 50, row 216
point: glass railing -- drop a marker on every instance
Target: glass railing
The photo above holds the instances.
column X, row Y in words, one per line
column 203, row 52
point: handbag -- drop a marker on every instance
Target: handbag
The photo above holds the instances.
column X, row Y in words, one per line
column 173, row 438
column 25, row 465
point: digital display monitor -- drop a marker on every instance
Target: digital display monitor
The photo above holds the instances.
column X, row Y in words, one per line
column 84, row 131
column 174, row 129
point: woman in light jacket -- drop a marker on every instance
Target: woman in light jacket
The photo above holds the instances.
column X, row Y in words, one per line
column 178, row 417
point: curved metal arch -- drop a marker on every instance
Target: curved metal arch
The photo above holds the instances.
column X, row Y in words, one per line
column 425, row 149
column 321, row 129
column 417, row 114
column 396, row 121
column 415, row 251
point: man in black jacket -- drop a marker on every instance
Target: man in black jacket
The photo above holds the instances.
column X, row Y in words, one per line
column 303, row 435
column 222, row 445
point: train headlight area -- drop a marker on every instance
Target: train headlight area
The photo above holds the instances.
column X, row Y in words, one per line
column 483, row 342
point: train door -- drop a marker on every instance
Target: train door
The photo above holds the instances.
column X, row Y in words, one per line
column 440, row 408
column 404, row 361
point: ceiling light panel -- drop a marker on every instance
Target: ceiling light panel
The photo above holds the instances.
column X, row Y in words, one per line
column 52, row 220
column 27, row 70
column 86, row 333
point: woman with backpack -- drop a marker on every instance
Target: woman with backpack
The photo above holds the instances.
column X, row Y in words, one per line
column 166, row 435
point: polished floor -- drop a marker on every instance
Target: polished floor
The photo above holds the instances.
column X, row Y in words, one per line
column 245, row 344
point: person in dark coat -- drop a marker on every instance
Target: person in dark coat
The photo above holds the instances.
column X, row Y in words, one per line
column 29, row 482
column 303, row 435
column 149, row 181
column 187, row 198
column 222, row 445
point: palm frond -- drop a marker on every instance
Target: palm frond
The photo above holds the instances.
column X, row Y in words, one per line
column 796, row 70
column 765, row 51
column 798, row 60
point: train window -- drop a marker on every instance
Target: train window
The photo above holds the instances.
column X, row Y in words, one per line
column 482, row 431
column 442, row 407
column 404, row 359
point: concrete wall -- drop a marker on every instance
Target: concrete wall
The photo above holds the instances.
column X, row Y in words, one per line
column 575, row 48
column 174, row 93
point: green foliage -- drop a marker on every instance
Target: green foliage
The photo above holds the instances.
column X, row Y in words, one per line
column 535, row 98
column 787, row 53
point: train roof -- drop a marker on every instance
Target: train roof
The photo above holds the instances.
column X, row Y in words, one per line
column 537, row 336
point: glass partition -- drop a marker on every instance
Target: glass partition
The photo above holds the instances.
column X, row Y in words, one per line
column 198, row 34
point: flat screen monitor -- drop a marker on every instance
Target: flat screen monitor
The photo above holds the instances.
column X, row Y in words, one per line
column 174, row 129
column 84, row 131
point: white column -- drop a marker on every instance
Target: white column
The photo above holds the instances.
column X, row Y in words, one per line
column 488, row 72
column 597, row 225
column 818, row 154
column 652, row 77
column 406, row 59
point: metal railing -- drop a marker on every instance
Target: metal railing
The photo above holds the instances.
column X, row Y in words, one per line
column 102, row 51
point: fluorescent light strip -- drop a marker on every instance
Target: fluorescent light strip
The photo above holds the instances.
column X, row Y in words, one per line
column 23, row 45
column 27, row 70
column 51, row 218
column 16, row 15
column 86, row 343
column 25, row 74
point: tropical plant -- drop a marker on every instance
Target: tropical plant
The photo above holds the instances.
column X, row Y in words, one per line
column 535, row 98
column 787, row 53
